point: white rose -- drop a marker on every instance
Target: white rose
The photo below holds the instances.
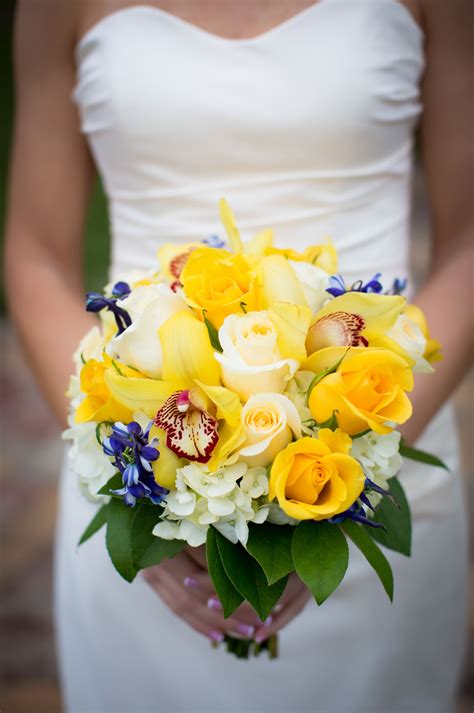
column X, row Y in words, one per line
column 269, row 422
column 314, row 282
column 411, row 339
column 139, row 346
column 250, row 361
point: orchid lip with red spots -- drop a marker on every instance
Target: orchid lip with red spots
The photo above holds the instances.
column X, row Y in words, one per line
column 191, row 432
column 341, row 329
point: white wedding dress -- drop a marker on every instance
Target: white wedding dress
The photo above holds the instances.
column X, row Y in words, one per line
column 307, row 128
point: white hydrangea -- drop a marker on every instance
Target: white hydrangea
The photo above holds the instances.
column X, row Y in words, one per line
column 87, row 459
column 380, row 458
column 227, row 499
column 296, row 391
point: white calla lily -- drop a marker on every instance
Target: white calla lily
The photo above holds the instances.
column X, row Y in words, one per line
column 314, row 282
column 139, row 345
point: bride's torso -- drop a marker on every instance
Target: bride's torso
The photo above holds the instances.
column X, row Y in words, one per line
column 306, row 128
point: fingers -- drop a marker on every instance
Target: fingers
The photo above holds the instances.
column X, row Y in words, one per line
column 277, row 621
column 192, row 604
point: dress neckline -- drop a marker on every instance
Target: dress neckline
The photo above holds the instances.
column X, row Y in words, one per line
column 231, row 41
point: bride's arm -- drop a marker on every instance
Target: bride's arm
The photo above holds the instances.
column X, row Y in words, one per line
column 448, row 160
column 50, row 182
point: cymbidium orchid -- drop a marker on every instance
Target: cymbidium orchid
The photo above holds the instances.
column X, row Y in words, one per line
column 191, row 431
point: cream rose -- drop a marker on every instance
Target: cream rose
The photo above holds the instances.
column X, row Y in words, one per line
column 269, row 423
column 250, row 361
column 139, row 346
column 407, row 334
column 314, row 282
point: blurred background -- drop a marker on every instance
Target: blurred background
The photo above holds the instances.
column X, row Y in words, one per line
column 32, row 453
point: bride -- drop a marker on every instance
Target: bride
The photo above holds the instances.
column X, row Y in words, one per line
column 303, row 116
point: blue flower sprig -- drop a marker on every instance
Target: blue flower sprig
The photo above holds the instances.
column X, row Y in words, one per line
column 132, row 454
column 338, row 286
column 95, row 302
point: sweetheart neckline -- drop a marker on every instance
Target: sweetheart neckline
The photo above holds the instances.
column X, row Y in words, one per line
column 231, row 41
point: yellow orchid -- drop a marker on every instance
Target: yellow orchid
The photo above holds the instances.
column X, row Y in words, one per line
column 187, row 352
column 291, row 322
column 279, row 282
column 433, row 347
column 356, row 319
column 323, row 256
column 172, row 259
column 139, row 394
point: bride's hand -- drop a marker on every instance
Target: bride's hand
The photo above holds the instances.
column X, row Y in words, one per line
column 185, row 587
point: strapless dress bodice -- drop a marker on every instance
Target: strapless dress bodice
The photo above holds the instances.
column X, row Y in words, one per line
column 307, row 128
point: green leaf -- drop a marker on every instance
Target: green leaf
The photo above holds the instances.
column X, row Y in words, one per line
column 270, row 545
column 148, row 550
column 98, row 521
column 118, row 539
column 372, row 553
column 213, row 333
column 331, row 422
column 114, row 483
column 321, row 556
column 248, row 577
column 158, row 550
column 229, row 597
column 396, row 518
column 143, row 522
column 421, row 456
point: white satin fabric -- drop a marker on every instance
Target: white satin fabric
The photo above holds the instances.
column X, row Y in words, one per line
column 307, row 128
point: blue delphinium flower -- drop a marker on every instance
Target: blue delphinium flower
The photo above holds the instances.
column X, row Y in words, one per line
column 398, row 286
column 337, row 286
column 133, row 455
column 356, row 512
column 214, row 241
column 95, row 302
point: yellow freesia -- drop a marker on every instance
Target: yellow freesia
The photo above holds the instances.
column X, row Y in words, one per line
column 356, row 319
column 433, row 347
column 220, row 283
column 187, row 352
column 292, row 323
column 367, row 390
column 315, row 478
column 279, row 282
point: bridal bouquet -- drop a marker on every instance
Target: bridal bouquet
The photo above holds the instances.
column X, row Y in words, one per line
column 246, row 398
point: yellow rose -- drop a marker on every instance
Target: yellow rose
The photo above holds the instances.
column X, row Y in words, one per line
column 218, row 282
column 99, row 404
column 315, row 479
column 366, row 391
